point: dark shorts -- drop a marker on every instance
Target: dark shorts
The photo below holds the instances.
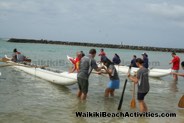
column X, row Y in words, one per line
column 83, row 85
column 140, row 96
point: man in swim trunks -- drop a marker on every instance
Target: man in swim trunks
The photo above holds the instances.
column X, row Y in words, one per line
column 87, row 64
column 176, row 65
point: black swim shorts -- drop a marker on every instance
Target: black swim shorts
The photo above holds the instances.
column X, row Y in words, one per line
column 83, row 85
column 140, row 96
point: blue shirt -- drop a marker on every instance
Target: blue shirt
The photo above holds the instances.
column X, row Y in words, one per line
column 116, row 60
column 133, row 63
column 146, row 62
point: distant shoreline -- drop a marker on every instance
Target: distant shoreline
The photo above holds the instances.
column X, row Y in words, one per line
column 146, row 48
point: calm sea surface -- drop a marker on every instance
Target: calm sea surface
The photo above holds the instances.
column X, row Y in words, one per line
column 27, row 99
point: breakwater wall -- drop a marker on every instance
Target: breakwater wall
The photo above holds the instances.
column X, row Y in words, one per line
column 146, row 48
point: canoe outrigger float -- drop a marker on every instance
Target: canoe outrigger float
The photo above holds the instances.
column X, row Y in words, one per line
column 61, row 78
column 153, row 72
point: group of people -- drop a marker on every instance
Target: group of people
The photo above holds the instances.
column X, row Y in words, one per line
column 115, row 60
column 84, row 64
column 144, row 58
column 88, row 63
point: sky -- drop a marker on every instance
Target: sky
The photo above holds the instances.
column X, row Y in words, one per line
column 158, row 23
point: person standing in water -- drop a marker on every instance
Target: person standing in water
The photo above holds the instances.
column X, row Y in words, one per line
column 133, row 61
column 82, row 53
column 102, row 53
column 142, row 81
column 113, row 76
column 176, row 65
column 181, row 102
column 179, row 74
column 86, row 65
column 76, row 62
column 145, row 60
column 116, row 59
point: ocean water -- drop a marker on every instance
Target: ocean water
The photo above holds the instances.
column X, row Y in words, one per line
column 27, row 99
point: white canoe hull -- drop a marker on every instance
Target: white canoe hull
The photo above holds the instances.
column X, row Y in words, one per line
column 63, row 78
column 156, row 73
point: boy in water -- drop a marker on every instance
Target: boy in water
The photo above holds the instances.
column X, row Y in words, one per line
column 142, row 81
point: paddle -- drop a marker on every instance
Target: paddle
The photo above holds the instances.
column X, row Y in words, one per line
column 181, row 102
column 133, row 102
column 122, row 95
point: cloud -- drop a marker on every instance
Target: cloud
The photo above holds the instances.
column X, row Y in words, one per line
column 6, row 5
column 15, row 5
column 170, row 12
column 29, row 7
column 98, row 20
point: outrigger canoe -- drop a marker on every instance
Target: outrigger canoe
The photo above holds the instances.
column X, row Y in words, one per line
column 155, row 73
column 61, row 78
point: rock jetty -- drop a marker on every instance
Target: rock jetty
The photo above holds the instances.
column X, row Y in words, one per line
column 146, row 48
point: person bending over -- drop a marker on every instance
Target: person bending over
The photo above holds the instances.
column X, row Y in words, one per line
column 113, row 76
